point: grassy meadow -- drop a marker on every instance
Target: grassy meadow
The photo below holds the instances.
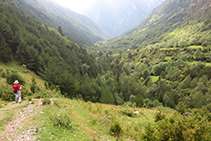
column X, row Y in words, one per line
column 66, row 119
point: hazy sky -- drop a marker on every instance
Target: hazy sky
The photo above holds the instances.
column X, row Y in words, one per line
column 78, row 6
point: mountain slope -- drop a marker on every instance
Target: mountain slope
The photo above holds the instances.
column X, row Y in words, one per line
column 77, row 27
column 119, row 16
column 176, row 23
column 42, row 49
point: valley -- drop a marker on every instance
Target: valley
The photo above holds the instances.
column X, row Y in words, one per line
column 136, row 86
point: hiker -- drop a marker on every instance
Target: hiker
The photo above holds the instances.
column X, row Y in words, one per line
column 17, row 91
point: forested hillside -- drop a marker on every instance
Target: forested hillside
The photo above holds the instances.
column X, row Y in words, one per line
column 176, row 23
column 165, row 60
column 42, row 49
column 77, row 27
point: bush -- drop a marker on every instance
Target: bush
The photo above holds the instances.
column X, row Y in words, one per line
column 33, row 87
column 156, row 103
column 7, row 97
column 128, row 113
column 6, row 93
column 208, row 107
column 180, row 107
column 46, row 101
column 149, row 133
column 127, row 104
column 138, row 100
column 115, row 129
column 63, row 120
column 29, row 98
column 3, row 75
column 159, row 116
column 57, row 103
column 12, row 76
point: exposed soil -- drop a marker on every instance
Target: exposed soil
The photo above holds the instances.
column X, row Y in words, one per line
column 14, row 131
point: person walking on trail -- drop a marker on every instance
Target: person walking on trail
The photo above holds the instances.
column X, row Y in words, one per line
column 17, row 91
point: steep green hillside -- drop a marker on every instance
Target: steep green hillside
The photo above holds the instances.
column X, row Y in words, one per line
column 176, row 23
column 77, row 27
column 42, row 49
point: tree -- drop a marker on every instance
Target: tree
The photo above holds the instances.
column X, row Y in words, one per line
column 198, row 55
column 107, row 97
column 194, row 82
column 186, row 83
column 6, row 31
column 90, row 91
column 130, row 56
column 5, row 51
column 203, row 79
column 27, row 55
column 182, row 43
column 138, row 100
column 118, row 99
column 199, row 100
column 146, row 73
column 201, row 87
column 67, row 84
column 60, row 30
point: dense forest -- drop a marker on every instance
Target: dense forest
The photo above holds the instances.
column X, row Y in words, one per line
column 77, row 27
column 174, row 72
column 42, row 49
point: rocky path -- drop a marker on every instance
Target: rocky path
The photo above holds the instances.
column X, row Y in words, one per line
column 13, row 130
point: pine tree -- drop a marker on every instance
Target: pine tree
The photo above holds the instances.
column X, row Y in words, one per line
column 107, row 97
column 5, row 51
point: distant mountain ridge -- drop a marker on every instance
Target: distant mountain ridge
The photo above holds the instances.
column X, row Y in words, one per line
column 119, row 16
column 176, row 23
column 77, row 27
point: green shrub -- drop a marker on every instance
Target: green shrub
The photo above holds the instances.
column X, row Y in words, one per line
column 209, row 107
column 138, row 100
column 29, row 98
column 7, row 97
column 12, row 76
column 127, row 104
column 180, row 107
column 128, row 113
column 149, row 133
column 57, row 103
column 159, row 116
column 63, row 120
column 29, row 93
column 1, row 69
column 6, row 93
column 4, row 75
column 115, row 129
column 46, row 101
column 33, row 87
column 156, row 103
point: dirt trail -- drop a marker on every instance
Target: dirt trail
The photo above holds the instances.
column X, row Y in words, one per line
column 13, row 130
